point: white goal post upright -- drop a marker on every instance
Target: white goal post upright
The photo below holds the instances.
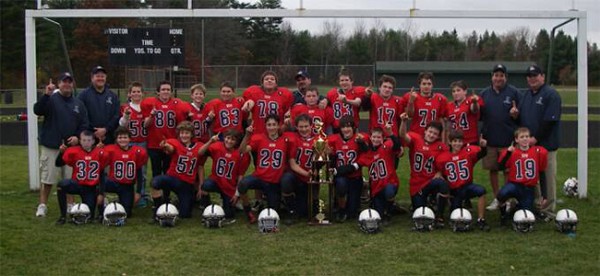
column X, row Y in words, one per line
column 582, row 66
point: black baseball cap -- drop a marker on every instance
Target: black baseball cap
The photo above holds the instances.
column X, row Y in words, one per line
column 499, row 67
column 64, row 76
column 533, row 70
column 98, row 69
column 302, row 73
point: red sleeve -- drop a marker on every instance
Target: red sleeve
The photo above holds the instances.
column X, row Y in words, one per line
column 328, row 116
column 363, row 160
column 147, row 105
column 440, row 162
column 244, row 163
column 473, row 153
column 444, row 107
column 501, row 155
column 413, row 136
column 254, row 141
column 248, row 94
column 142, row 156
column 360, row 91
column 543, row 156
column 69, row 156
column 173, row 142
column 182, row 110
column 289, row 98
column 332, row 96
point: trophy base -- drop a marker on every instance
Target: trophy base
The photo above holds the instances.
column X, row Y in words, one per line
column 315, row 222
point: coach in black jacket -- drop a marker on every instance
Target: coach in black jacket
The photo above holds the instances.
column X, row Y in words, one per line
column 102, row 105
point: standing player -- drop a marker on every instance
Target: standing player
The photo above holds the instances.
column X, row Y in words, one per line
column 499, row 123
column 385, row 108
column 345, row 148
column 270, row 150
column 125, row 162
column 425, row 180
column 228, row 168
column 88, row 162
column 267, row 99
column 133, row 119
column 424, row 107
column 526, row 167
column 198, row 114
column 463, row 112
column 102, row 105
column 457, row 168
column 379, row 158
column 163, row 113
column 183, row 170
column 313, row 109
column 346, row 99
column 228, row 110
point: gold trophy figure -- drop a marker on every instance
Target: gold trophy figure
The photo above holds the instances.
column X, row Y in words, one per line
column 320, row 175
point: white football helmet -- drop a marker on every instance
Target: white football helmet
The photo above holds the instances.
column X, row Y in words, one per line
column 167, row 214
column 570, row 187
column 523, row 221
column 460, row 220
column 369, row 221
column 114, row 214
column 80, row 213
column 566, row 220
column 268, row 221
column 213, row 216
column 424, row 219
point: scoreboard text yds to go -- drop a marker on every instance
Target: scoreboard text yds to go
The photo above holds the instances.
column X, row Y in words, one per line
column 145, row 46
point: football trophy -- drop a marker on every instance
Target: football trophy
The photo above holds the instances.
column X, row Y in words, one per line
column 320, row 174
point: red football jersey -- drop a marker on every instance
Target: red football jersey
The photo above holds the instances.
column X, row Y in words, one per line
column 227, row 166
column 278, row 102
column 524, row 167
column 184, row 161
column 199, row 122
column 125, row 163
column 382, row 167
column 457, row 168
column 227, row 114
column 163, row 124
column 271, row 157
column 301, row 148
column 461, row 118
column 340, row 108
column 315, row 113
column 87, row 166
column 136, row 123
column 346, row 152
column 426, row 110
column 422, row 160
column 385, row 111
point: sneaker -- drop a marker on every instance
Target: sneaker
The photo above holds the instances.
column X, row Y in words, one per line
column 251, row 217
column 61, row 221
column 483, row 225
column 227, row 221
column 42, row 210
column 493, row 206
column 439, row 223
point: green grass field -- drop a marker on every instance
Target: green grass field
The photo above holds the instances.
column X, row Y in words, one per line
column 35, row 246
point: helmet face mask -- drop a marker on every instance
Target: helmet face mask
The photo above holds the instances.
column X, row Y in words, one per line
column 213, row 216
column 369, row 221
column 268, row 221
column 566, row 221
column 167, row 215
column 423, row 219
column 80, row 214
column 460, row 220
column 570, row 187
column 523, row 221
column 114, row 215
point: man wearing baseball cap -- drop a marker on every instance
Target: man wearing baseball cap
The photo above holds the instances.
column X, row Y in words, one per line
column 64, row 118
column 499, row 116
column 102, row 105
column 303, row 82
column 540, row 111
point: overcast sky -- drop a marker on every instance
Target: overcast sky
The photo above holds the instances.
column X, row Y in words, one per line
column 463, row 27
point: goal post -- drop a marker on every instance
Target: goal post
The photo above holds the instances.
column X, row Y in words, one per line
column 582, row 57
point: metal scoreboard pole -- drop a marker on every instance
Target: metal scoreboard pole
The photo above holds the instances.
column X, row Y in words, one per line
column 582, row 66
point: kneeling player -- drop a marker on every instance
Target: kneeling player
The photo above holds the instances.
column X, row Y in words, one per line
column 457, row 168
column 228, row 167
column 526, row 167
column 182, row 173
column 87, row 162
column 126, row 162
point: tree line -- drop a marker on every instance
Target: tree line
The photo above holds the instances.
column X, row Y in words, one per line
column 270, row 41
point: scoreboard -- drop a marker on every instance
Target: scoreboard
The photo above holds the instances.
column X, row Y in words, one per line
column 145, row 46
